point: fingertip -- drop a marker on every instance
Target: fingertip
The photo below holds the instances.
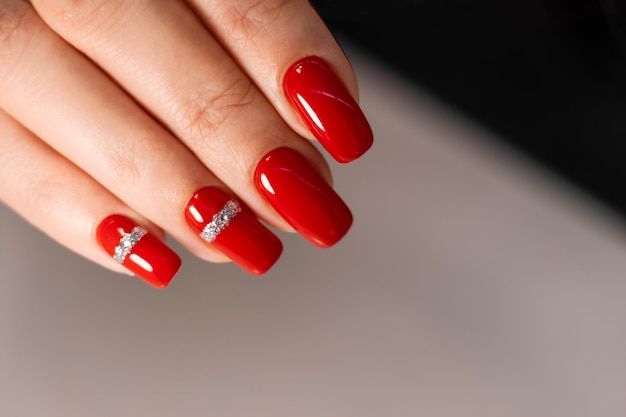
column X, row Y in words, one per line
column 133, row 247
column 326, row 107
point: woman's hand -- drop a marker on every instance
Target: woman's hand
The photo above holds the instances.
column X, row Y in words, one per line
column 125, row 120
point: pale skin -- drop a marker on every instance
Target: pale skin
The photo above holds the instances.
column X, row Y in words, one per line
column 115, row 106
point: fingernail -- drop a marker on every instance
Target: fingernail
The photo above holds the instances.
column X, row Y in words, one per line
column 328, row 109
column 304, row 199
column 139, row 251
column 233, row 229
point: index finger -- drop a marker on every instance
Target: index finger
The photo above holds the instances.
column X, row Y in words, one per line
column 293, row 58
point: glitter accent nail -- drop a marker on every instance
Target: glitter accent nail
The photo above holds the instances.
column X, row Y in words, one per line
column 220, row 220
column 127, row 242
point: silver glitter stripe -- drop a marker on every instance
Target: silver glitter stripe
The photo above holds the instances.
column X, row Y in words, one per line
column 127, row 243
column 220, row 220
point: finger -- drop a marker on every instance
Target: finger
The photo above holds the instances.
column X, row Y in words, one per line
column 68, row 205
column 195, row 89
column 79, row 111
column 288, row 51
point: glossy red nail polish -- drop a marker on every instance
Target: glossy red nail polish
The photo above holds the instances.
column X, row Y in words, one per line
column 327, row 108
column 139, row 251
column 233, row 229
column 304, row 199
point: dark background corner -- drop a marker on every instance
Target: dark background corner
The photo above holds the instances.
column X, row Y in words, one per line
column 549, row 77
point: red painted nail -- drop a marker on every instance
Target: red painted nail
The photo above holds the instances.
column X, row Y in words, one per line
column 327, row 108
column 299, row 194
column 140, row 252
column 233, row 229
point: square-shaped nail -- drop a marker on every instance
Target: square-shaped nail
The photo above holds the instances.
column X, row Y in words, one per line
column 328, row 109
column 232, row 228
column 302, row 197
column 140, row 252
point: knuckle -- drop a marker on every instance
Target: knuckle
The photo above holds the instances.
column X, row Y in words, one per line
column 256, row 16
column 129, row 161
column 80, row 17
column 123, row 166
column 14, row 18
column 208, row 112
column 51, row 192
column 19, row 25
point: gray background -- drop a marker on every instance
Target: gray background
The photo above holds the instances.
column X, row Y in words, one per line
column 473, row 283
